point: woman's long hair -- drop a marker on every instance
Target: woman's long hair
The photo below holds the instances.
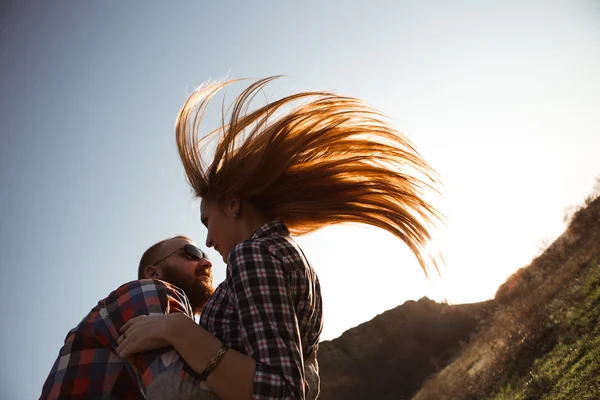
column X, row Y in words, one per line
column 329, row 160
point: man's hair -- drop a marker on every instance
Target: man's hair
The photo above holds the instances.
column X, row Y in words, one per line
column 331, row 159
column 154, row 254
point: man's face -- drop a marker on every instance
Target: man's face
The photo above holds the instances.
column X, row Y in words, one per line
column 193, row 276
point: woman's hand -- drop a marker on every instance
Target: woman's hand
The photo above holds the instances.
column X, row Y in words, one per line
column 144, row 333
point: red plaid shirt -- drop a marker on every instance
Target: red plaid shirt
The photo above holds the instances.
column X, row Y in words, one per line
column 88, row 367
column 269, row 307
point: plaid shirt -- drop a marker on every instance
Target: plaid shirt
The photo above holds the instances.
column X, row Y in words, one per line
column 269, row 307
column 88, row 366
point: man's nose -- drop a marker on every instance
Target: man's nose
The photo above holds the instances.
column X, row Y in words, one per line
column 203, row 267
column 205, row 263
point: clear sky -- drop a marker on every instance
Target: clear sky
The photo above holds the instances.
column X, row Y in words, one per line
column 501, row 97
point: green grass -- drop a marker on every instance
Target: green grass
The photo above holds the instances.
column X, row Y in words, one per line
column 571, row 369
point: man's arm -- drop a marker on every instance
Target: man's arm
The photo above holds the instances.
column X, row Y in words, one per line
column 88, row 365
column 147, row 297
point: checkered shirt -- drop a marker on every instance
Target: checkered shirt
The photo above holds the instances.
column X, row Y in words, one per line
column 88, row 367
column 269, row 307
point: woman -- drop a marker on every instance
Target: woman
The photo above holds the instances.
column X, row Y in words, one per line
column 329, row 160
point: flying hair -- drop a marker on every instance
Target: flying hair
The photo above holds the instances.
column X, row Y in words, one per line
column 310, row 160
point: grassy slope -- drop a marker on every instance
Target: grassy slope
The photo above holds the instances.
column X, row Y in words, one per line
column 544, row 341
column 571, row 368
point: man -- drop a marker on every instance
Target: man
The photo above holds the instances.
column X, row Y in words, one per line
column 173, row 276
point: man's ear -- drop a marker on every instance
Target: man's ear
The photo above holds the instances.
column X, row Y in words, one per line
column 152, row 272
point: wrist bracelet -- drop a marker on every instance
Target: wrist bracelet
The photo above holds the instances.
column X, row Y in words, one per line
column 214, row 363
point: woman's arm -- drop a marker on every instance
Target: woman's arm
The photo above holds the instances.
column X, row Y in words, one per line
column 231, row 380
column 234, row 376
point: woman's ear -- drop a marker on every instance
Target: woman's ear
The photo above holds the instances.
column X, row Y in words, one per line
column 233, row 206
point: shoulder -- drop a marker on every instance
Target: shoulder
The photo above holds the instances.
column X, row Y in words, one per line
column 257, row 251
column 254, row 258
column 150, row 294
column 253, row 247
column 145, row 287
column 140, row 297
column 273, row 249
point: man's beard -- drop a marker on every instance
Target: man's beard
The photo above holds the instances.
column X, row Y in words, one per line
column 197, row 289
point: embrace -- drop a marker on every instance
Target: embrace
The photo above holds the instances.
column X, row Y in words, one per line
column 290, row 167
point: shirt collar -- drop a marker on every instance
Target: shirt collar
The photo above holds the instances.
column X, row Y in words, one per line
column 271, row 228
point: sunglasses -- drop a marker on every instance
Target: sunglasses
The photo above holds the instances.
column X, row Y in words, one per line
column 190, row 251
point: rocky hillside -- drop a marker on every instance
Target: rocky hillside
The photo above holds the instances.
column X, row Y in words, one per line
column 390, row 356
column 540, row 337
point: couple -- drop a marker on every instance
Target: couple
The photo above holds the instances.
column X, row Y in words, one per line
column 329, row 160
column 175, row 279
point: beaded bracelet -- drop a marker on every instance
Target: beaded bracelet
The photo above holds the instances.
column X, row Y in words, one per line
column 213, row 363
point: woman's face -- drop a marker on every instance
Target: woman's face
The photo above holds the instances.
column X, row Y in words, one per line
column 219, row 220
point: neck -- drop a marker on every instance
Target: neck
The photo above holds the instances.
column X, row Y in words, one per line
column 251, row 220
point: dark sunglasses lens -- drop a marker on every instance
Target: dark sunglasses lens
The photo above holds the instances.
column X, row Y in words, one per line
column 193, row 253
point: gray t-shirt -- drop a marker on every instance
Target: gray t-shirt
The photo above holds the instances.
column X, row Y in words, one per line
column 169, row 385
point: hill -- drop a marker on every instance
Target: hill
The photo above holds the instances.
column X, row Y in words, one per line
column 539, row 338
column 390, row 356
column 543, row 341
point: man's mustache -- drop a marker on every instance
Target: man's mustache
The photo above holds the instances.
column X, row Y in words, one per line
column 202, row 271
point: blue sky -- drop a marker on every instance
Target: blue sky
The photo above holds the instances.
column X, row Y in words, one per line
column 501, row 97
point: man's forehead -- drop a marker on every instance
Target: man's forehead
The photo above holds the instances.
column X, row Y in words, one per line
column 174, row 244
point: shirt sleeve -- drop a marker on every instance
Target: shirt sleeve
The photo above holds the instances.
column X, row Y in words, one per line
column 145, row 297
column 269, row 329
